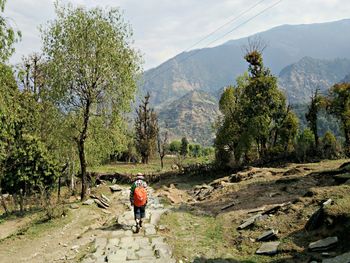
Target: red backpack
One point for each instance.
(140, 196)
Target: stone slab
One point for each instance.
(269, 248)
(323, 244)
(344, 258)
(268, 235)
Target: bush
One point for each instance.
(175, 147)
(330, 146)
(28, 168)
(304, 145)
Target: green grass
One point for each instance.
(152, 167)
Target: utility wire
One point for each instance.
(199, 50)
(224, 25)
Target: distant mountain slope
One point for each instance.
(347, 78)
(192, 116)
(301, 79)
(212, 68)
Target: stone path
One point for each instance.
(123, 245)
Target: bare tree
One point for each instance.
(162, 146)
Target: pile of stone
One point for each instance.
(102, 201)
(201, 192)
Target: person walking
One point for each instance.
(139, 199)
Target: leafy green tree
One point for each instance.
(255, 116)
(92, 68)
(312, 114)
(146, 130)
(330, 148)
(339, 106)
(175, 147)
(8, 35)
(184, 146)
(28, 167)
(288, 131)
(304, 144)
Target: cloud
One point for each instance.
(164, 28)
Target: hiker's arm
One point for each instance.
(132, 189)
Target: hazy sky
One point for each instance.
(164, 28)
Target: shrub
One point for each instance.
(330, 147)
(304, 145)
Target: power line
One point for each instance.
(227, 23)
(235, 28)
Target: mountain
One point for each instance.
(192, 116)
(210, 69)
(346, 79)
(299, 80)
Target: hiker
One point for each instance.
(138, 199)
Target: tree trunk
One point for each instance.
(81, 150)
(3, 203)
(59, 189)
(161, 162)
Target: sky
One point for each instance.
(164, 28)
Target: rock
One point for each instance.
(255, 210)
(249, 222)
(317, 218)
(344, 258)
(235, 178)
(100, 204)
(328, 202)
(268, 235)
(105, 198)
(74, 247)
(74, 206)
(323, 244)
(269, 248)
(228, 206)
(115, 188)
(88, 202)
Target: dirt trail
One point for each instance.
(61, 240)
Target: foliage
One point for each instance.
(256, 120)
(312, 114)
(195, 150)
(8, 35)
(184, 146)
(330, 148)
(28, 167)
(175, 147)
(339, 106)
(304, 145)
(92, 70)
(146, 130)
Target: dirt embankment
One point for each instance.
(286, 197)
(60, 240)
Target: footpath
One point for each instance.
(124, 245)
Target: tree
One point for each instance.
(255, 115)
(28, 168)
(329, 146)
(93, 69)
(339, 106)
(8, 36)
(146, 130)
(163, 146)
(184, 146)
(311, 115)
(304, 144)
(175, 146)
